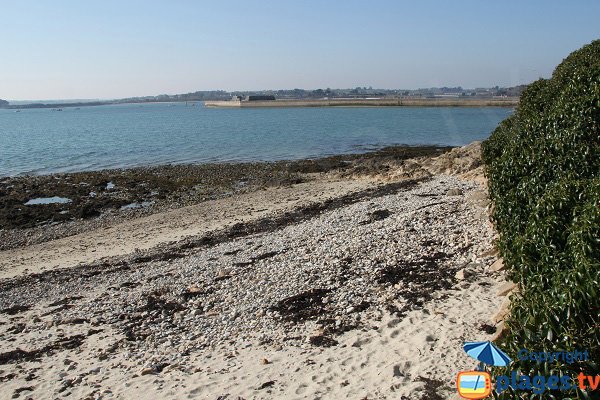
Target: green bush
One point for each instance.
(543, 166)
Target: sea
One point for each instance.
(43, 141)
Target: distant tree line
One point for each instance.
(55, 105)
(357, 92)
(194, 96)
(333, 93)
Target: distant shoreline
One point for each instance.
(56, 105)
(386, 102)
(389, 102)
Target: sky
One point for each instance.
(105, 49)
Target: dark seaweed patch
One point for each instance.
(377, 215)
(64, 301)
(17, 328)
(15, 309)
(8, 377)
(19, 355)
(303, 306)
(322, 341)
(265, 255)
(418, 280)
(432, 386)
(20, 390)
(155, 303)
(424, 270)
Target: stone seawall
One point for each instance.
(503, 102)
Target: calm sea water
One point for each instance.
(92, 138)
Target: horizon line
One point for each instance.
(254, 90)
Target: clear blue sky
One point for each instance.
(59, 49)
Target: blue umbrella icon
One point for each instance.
(487, 353)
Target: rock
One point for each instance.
(493, 252)
(160, 366)
(479, 198)
(498, 265)
(191, 292)
(468, 271)
(223, 274)
(265, 385)
(315, 333)
(378, 215)
(461, 274)
(500, 332)
(147, 371)
(397, 372)
(264, 361)
(454, 192)
(502, 311)
(476, 267)
(506, 288)
(169, 368)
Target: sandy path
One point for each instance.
(150, 231)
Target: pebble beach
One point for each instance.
(357, 282)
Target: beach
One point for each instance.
(355, 276)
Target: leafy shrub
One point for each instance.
(543, 166)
